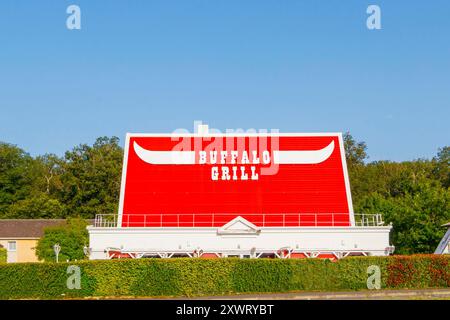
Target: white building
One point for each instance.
(444, 245)
(298, 205)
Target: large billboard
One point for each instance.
(192, 180)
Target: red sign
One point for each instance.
(188, 180)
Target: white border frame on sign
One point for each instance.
(239, 134)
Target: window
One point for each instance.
(12, 245)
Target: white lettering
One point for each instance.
(214, 173)
(266, 157)
(223, 157)
(213, 157)
(202, 157)
(234, 155)
(255, 157)
(245, 159)
(225, 173)
(254, 174)
(244, 175)
(234, 169)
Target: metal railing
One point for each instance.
(219, 219)
(106, 220)
(368, 220)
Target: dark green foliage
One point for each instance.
(38, 206)
(268, 275)
(15, 175)
(72, 237)
(91, 178)
(416, 217)
(355, 152)
(197, 277)
(83, 183)
(413, 195)
(441, 168)
(3, 255)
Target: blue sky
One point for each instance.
(154, 66)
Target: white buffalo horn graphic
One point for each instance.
(279, 157)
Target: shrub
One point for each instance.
(72, 237)
(196, 277)
(3, 255)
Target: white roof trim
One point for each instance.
(239, 225)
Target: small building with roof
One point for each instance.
(20, 236)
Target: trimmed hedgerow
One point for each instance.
(196, 277)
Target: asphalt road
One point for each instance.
(350, 295)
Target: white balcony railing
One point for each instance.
(219, 219)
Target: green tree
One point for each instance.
(441, 164)
(15, 180)
(38, 206)
(48, 170)
(416, 217)
(72, 237)
(355, 154)
(3, 254)
(91, 178)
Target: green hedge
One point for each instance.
(196, 277)
(3, 255)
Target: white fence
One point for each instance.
(219, 219)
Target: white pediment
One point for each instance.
(238, 225)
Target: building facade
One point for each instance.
(236, 194)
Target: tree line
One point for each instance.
(82, 183)
(412, 195)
